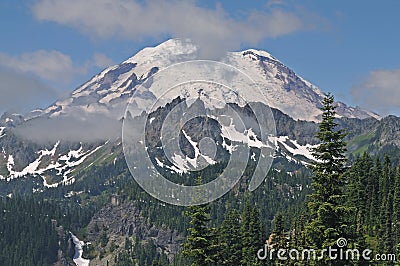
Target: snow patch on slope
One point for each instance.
(197, 153)
(63, 166)
(294, 148)
(248, 136)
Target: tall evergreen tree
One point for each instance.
(386, 203)
(326, 203)
(376, 172)
(199, 245)
(278, 235)
(388, 237)
(372, 191)
(360, 193)
(230, 242)
(251, 234)
(330, 155)
(278, 239)
(396, 213)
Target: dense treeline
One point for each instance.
(371, 199)
(31, 232)
(235, 242)
(28, 236)
(371, 219)
(374, 193)
(350, 208)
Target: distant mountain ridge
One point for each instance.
(295, 104)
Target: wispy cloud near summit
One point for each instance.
(48, 65)
(379, 91)
(212, 29)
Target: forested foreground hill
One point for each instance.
(35, 232)
(125, 225)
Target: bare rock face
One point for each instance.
(118, 222)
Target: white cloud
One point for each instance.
(52, 66)
(102, 61)
(379, 91)
(22, 93)
(26, 80)
(48, 65)
(271, 3)
(83, 126)
(213, 29)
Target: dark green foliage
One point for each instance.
(230, 242)
(279, 238)
(396, 212)
(28, 234)
(376, 200)
(252, 235)
(330, 154)
(200, 246)
(328, 212)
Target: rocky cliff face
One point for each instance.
(121, 220)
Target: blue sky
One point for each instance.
(350, 48)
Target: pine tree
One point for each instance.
(330, 155)
(278, 239)
(199, 242)
(376, 172)
(360, 193)
(388, 237)
(372, 191)
(199, 245)
(386, 204)
(326, 203)
(396, 213)
(299, 231)
(256, 230)
(278, 235)
(251, 234)
(229, 239)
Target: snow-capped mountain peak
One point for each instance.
(108, 92)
